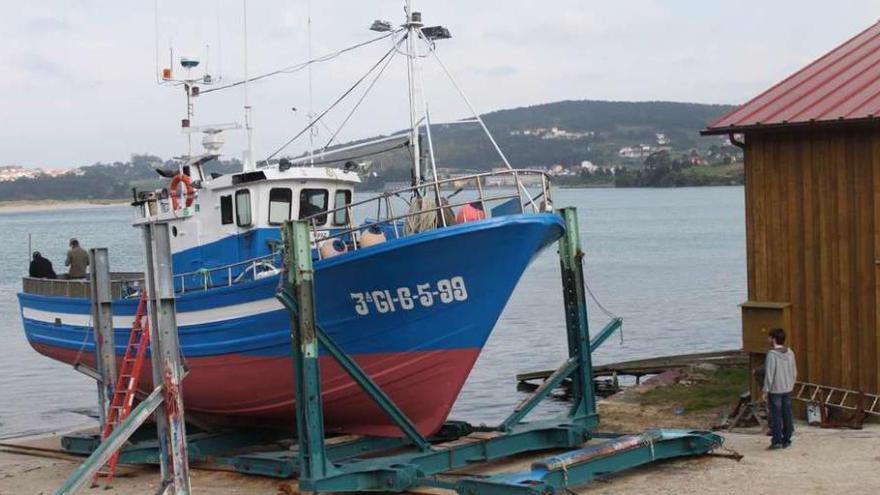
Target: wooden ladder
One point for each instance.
(129, 376)
(836, 397)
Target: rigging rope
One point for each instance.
(602, 308)
(331, 107)
(358, 104)
(291, 69)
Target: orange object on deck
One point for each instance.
(470, 212)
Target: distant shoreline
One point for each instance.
(25, 206)
(28, 206)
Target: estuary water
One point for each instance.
(670, 262)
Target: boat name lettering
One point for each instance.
(425, 295)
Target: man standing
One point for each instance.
(41, 267)
(77, 260)
(779, 377)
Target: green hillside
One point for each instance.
(611, 125)
(565, 132)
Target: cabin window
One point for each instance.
(226, 209)
(340, 199)
(243, 208)
(312, 202)
(279, 205)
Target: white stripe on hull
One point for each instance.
(189, 318)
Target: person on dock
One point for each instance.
(780, 373)
(77, 260)
(41, 267)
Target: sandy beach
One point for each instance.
(47, 205)
(820, 461)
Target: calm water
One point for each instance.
(670, 262)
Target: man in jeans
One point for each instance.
(779, 377)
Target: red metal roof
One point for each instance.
(843, 85)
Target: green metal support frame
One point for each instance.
(404, 470)
(298, 296)
(556, 473)
(304, 350)
(554, 380)
(318, 472)
(398, 464)
(574, 299)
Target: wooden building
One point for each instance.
(812, 196)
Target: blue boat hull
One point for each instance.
(414, 312)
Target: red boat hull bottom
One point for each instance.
(255, 390)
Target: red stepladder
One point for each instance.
(128, 379)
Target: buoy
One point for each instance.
(372, 236)
(332, 248)
(190, 190)
(470, 212)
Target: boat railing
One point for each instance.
(429, 209)
(228, 275)
(124, 285)
(120, 285)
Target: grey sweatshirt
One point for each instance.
(780, 371)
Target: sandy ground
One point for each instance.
(819, 462)
(44, 205)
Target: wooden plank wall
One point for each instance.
(812, 213)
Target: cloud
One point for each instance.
(504, 54)
(39, 65)
(47, 25)
(494, 71)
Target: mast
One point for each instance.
(413, 25)
(311, 116)
(248, 162)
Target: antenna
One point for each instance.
(156, 37)
(170, 57)
(219, 46)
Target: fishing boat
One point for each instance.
(409, 282)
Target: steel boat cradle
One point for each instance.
(298, 306)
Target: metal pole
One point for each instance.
(102, 320)
(434, 168)
(577, 325)
(476, 115)
(87, 470)
(248, 162)
(314, 464)
(156, 368)
(413, 25)
(168, 361)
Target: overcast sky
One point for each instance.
(78, 82)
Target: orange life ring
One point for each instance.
(190, 190)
